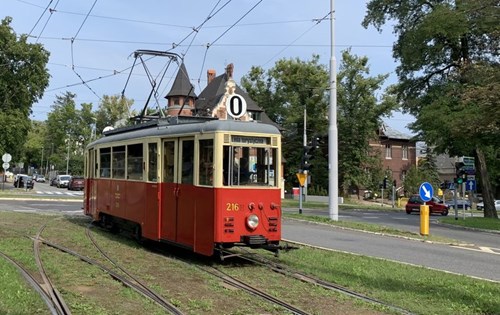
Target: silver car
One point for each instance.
(480, 206)
(62, 181)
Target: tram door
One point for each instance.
(178, 192)
(91, 189)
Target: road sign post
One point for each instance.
(426, 192)
(5, 166)
(301, 176)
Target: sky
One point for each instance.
(92, 42)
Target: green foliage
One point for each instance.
(284, 92)
(23, 79)
(448, 74)
(358, 119)
(293, 86)
(317, 190)
(112, 110)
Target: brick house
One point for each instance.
(397, 152)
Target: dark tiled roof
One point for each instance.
(182, 85)
(393, 134)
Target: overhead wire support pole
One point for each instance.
(333, 178)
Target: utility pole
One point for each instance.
(41, 162)
(67, 156)
(333, 178)
(305, 144)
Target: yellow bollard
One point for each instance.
(424, 220)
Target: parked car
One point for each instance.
(24, 181)
(461, 203)
(76, 183)
(436, 205)
(40, 179)
(480, 206)
(62, 181)
(17, 180)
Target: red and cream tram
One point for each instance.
(199, 184)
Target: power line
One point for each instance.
(43, 13)
(110, 41)
(220, 36)
(299, 37)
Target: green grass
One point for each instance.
(420, 290)
(477, 223)
(16, 294)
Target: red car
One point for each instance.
(76, 183)
(436, 205)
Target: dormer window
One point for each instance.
(255, 116)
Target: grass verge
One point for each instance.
(418, 289)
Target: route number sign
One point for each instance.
(236, 105)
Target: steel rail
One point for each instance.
(285, 270)
(32, 282)
(155, 296)
(56, 297)
(139, 289)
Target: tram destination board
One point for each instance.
(250, 140)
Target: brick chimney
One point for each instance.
(210, 75)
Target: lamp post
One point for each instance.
(68, 141)
(333, 182)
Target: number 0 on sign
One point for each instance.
(236, 105)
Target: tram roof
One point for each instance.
(177, 126)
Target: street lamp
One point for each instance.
(68, 142)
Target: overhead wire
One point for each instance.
(51, 11)
(318, 21)
(72, 51)
(220, 36)
(43, 13)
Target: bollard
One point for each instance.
(424, 220)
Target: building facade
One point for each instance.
(397, 152)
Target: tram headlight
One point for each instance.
(252, 221)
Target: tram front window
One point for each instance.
(249, 166)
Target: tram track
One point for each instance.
(137, 284)
(288, 272)
(236, 283)
(55, 296)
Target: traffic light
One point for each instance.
(384, 183)
(306, 158)
(460, 172)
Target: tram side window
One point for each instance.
(105, 162)
(187, 161)
(168, 162)
(134, 161)
(152, 162)
(249, 166)
(206, 162)
(118, 167)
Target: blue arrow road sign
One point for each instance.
(426, 191)
(470, 185)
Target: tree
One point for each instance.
(294, 85)
(358, 119)
(23, 79)
(448, 74)
(112, 110)
(67, 132)
(284, 92)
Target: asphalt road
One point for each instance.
(468, 260)
(402, 221)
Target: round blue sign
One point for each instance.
(426, 191)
